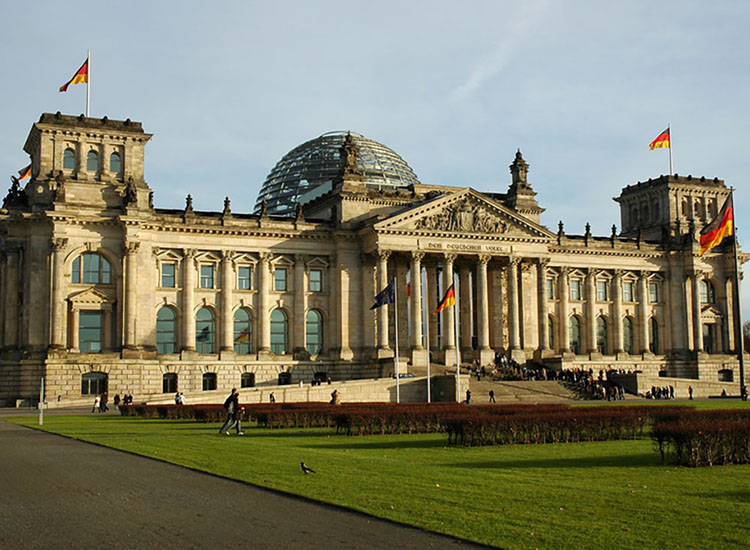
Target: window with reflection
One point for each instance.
(707, 292)
(279, 279)
(90, 331)
(279, 332)
(115, 163)
(69, 159)
(207, 276)
(314, 332)
(94, 383)
(169, 382)
(91, 268)
(316, 280)
(205, 331)
(575, 334)
(653, 344)
(575, 290)
(244, 275)
(627, 335)
(627, 291)
(243, 332)
(92, 161)
(209, 381)
(168, 274)
(602, 344)
(166, 330)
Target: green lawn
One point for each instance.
(586, 495)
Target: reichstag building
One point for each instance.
(100, 289)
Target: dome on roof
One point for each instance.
(311, 169)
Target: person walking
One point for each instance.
(690, 393)
(116, 401)
(229, 406)
(236, 415)
(492, 396)
(468, 397)
(97, 400)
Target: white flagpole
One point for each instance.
(41, 403)
(88, 83)
(671, 167)
(395, 319)
(458, 345)
(426, 316)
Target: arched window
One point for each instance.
(279, 332)
(247, 380)
(314, 332)
(209, 381)
(93, 383)
(115, 163)
(708, 295)
(69, 159)
(92, 161)
(166, 331)
(601, 336)
(205, 331)
(551, 332)
(627, 335)
(653, 326)
(243, 332)
(92, 269)
(169, 383)
(575, 335)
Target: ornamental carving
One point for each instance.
(465, 216)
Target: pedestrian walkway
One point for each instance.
(62, 493)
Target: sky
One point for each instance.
(455, 88)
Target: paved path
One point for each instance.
(61, 493)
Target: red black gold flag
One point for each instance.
(661, 141)
(721, 226)
(448, 300)
(81, 77)
(24, 173)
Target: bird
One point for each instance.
(306, 469)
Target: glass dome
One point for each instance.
(311, 169)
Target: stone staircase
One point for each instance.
(530, 392)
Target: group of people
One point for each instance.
(101, 402)
(666, 392)
(179, 398)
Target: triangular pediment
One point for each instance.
(710, 314)
(465, 212)
(90, 298)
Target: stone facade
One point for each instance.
(98, 287)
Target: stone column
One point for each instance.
(486, 355)
(643, 311)
(431, 305)
(131, 293)
(300, 306)
(449, 323)
(466, 328)
(12, 310)
(541, 290)
(591, 311)
(59, 311)
(400, 268)
(418, 354)
(188, 299)
(227, 292)
(513, 317)
(562, 316)
(368, 292)
(264, 320)
(74, 321)
(695, 279)
(382, 311)
(107, 328)
(617, 311)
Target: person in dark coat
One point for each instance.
(492, 396)
(468, 397)
(229, 405)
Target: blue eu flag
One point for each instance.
(386, 296)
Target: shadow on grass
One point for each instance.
(641, 460)
(732, 496)
(349, 443)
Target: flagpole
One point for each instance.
(458, 345)
(88, 83)
(671, 166)
(738, 314)
(426, 319)
(395, 359)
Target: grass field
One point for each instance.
(585, 495)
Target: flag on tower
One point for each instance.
(448, 300)
(721, 226)
(24, 173)
(662, 140)
(81, 77)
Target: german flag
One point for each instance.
(661, 141)
(81, 77)
(24, 173)
(448, 300)
(244, 336)
(722, 226)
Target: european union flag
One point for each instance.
(386, 296)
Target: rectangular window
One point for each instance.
(316, 280)
(243, 277)
(575, 290)
(550, 289)
(627, 291)
(279, 279)
(602, 291)
(168, 270)
(653, 292)
(90, 331)
(207, 276)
